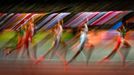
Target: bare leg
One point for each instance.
(40, 43)
(78, 52)
(89, 52)
(43, 57)
(125, 51)
(114, 50)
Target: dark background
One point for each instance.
(64, 5)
